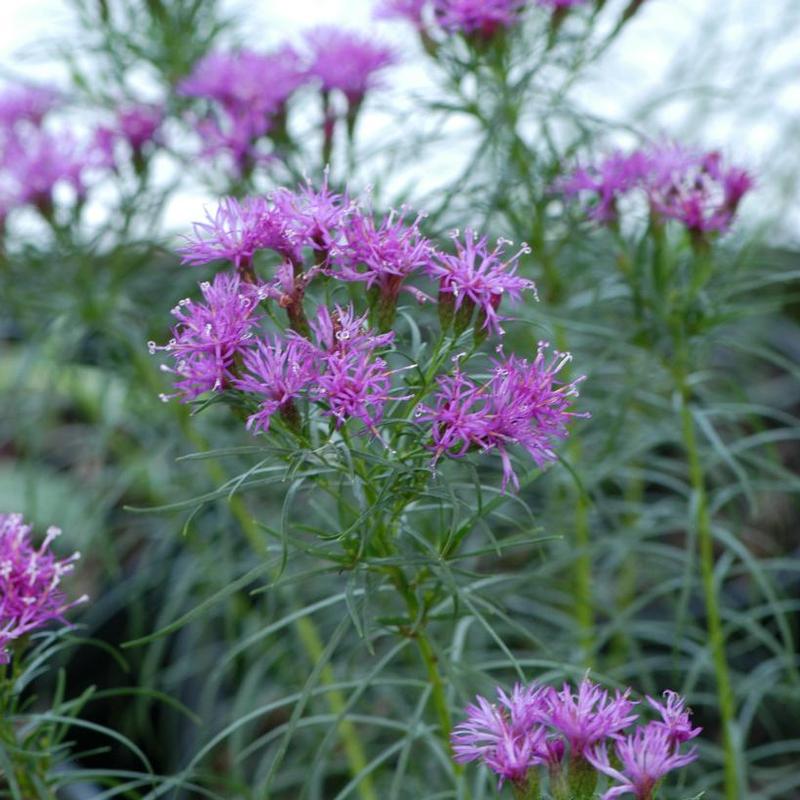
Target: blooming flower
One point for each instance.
(479, 277)
(246, 80)
(675, 718)
(507, 736)
(345, 332)
(36, 163)
(606, 182)
(484, 17)
(696, 189)
(411, 10)
(314, 216)
(646, 756)
(139, 124)
(238, 229)
(30, 593)
(278, 371)
(208, 336)
(590, 715)
(519, 404)
(382, 256)
(346, 61)
(26, 104)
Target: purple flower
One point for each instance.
(675, 718)
(315, 216)
(30, 593)
(519, 404)
(382, 256)
(479, 277)
(606, 182)
(696, 189)
(589, 716)
(236, 231)
(346, 61)
(278, 371)
(483, 17)
(208, 336)
(26, 104)
(411, 10)
(508, 737)
(354, 384)
(646, 756)
(246, 81)
(345, 332)
(139, 124)
(34, 164)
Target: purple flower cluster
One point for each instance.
(520, 403)
(34, 160)
(697, 189)
(337, 362)
(30, 593)
(568, 732)
(248, 92)
(472, 18)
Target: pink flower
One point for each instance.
(508, 737)
(208, 336)
(30, 593)
(484, 17)
(237, 230)
(382, 256)
(589, 716)
(479, 276)
(646, 756)
(277, 371)
(519, 404)
(346, 61)
(675, 718)
(411, 10)
(22, 103)
(345, 332)
(139, 124)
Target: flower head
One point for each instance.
(209, 335)
(411, 10)
(480, 277)
(521, 403)
(259, 83)
(646, 756)
(506, 736)
(30, 592)
(483, 17)
(26, 104)
(278, 371)
(139, 124)
(382, 255)
(590, 715)
(344, 332)
(675, 718)
(346, 61)
(238, 229)
(606, 182)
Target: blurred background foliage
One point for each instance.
(594, 565)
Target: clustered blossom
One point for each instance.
(697, 189)
(247, 93)
(36, 161)
(568, 732)
(30, 582)
(208, 336)
(338, 363)
(481, 18)
(520, 403)
(477, 277)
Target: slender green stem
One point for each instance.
(308, 634)
(716, 636)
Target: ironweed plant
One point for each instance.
(372, 532)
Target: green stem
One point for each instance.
(716, 634)
(307, 633)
